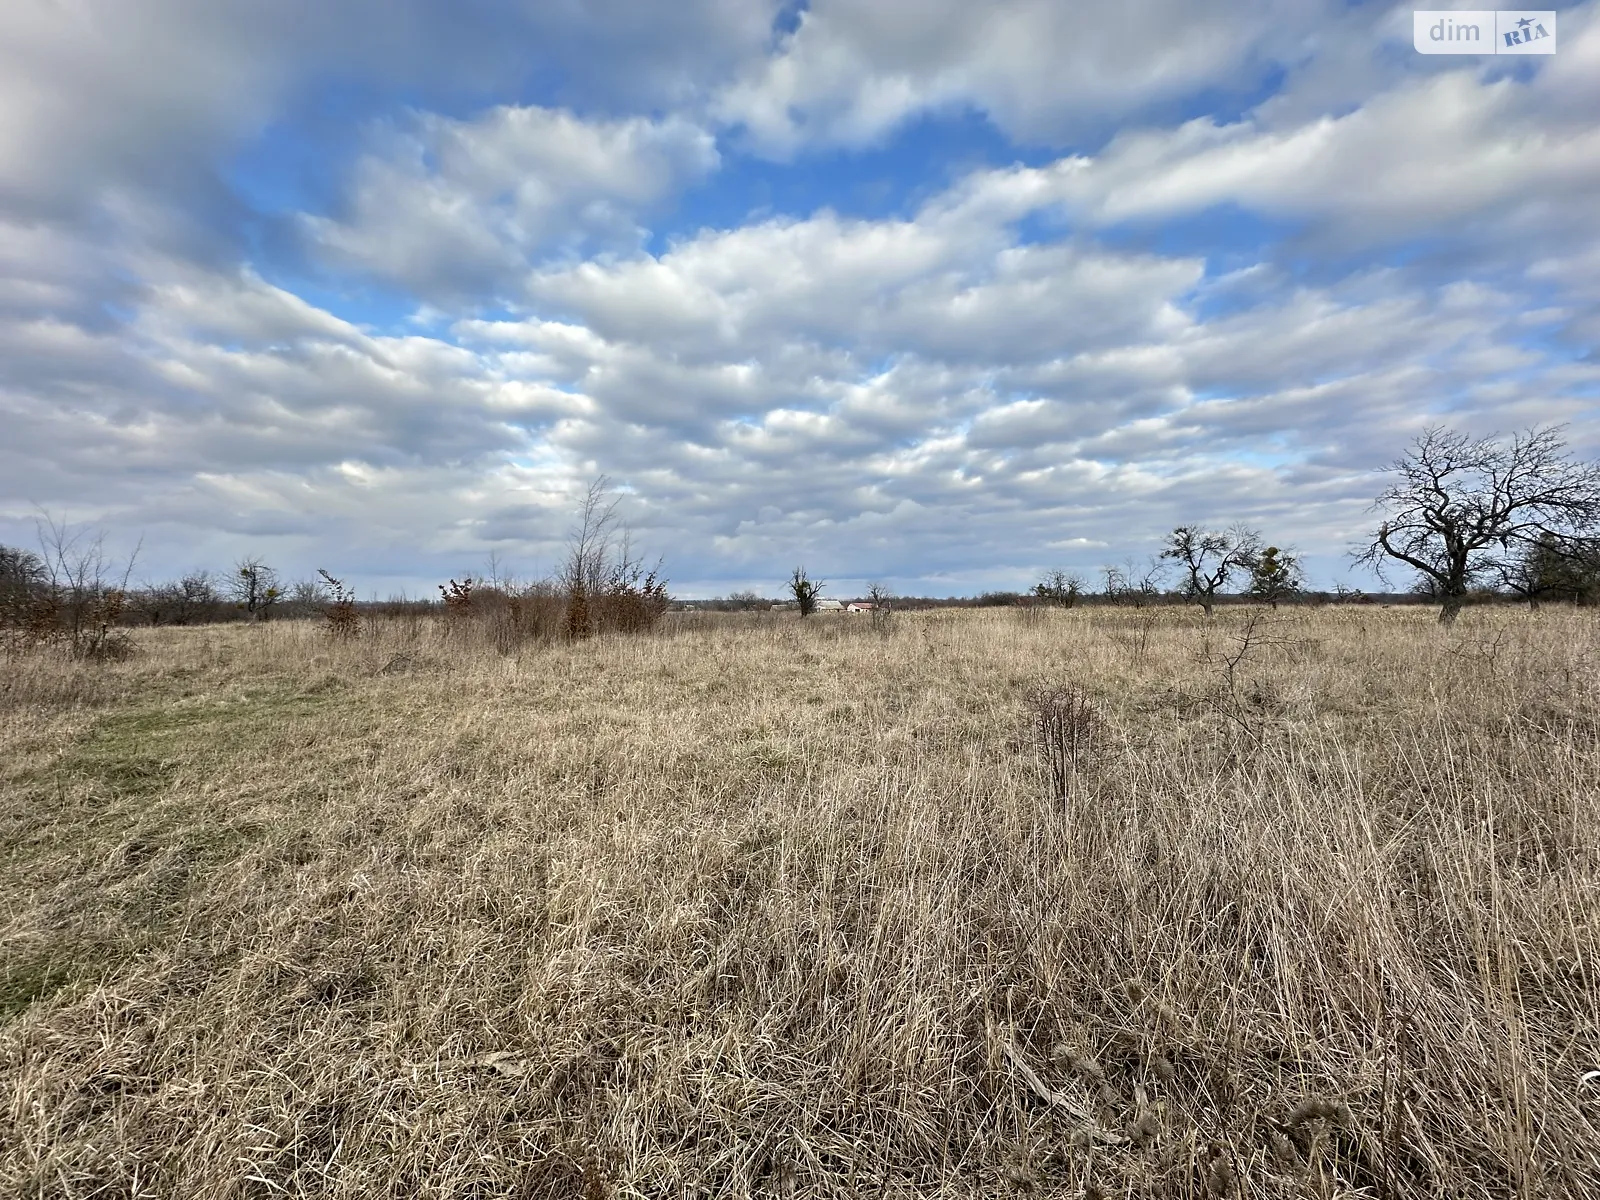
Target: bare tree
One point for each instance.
(606, 585)
(191, 600)
(1553, 568)
(305, 598)
(85, 590)
(1208, 558)
(1114, 584)
(21, 570)
(1343, 593)
(588, 554)
(1461, 510)
(22, 592)
(498, 578)
(805, 591)
(1130, 584)
(1059, 587)
(882, 601)
(197, 598)
(254, 587)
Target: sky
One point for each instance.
(925, 292)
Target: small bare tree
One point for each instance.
(1114, 584)
(23, 590)
(1131, 584)
(606, 585)
(1059, 587)
(85, 590)
(254, 588)
(195, 598)
(588, 554)
(1208, 558)
(305, 598)
(1553, 568)
(191, 600)
(1462, 509)
(805, 590)
(882, 601)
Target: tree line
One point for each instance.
(1462, 517)
(72, 593)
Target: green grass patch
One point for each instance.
(107, 845)
(135, 752)
(43, 973)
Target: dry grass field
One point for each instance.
(757, 907)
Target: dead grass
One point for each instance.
(753, 907)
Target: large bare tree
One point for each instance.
(1463, 509)
(1208, 558)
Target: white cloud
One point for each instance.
(1013, 372)
(949, 290)
(456, 208)
(1441, 156)
(103, 93)
(1041, 70)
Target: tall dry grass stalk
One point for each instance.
(763, 907)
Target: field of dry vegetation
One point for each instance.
(1048, 903)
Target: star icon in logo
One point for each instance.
(1524, 23)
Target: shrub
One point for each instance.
(1068, 732)
(634, 599)
(71, 596)
(343, 621)
(1059, 588)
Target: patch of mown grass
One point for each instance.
(135, 751)
(31, 974)
(142, 773)
(29, 979)
(109, 842)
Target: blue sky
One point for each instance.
(931, 293)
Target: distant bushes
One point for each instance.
(72, 595)
(602, 587)
(509, 615)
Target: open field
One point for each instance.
(759, 907)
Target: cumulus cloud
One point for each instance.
(952, 290)
(1042, 71)
(95, 93)
(453, 208)
(1463, 152)
(1039, 362)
